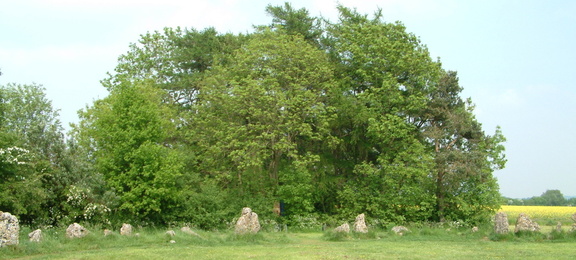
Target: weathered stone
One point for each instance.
(172, 241)
(400, 230)
(360, 224)
(107, 232)
(559, 226)
(574, 217)
(76, 231)
(9, 229)
(170, 233)
(344, 228)
(501, 225)
(35, 236)
(573, 229)
(189, 231)
(247, 223)
(524, 223)
(474, 229)
(126, 230)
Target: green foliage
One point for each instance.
(31, 152)
(129, 133)
(329, 119)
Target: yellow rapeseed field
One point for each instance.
(541, 213)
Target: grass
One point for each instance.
(421, 243)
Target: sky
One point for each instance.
(516, 59)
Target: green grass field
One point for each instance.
(421, 243)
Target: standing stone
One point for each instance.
(126, 230)
(35, 236)
(360, 224)
(501, 225)
(170, 233)
(189, 231)
(248, 222)
(9, 229)
(573, 229)
(474, 229)
(524, 223)
(400, 230)
(107, 232)
(559, 226)
(76, 231)
(344, 228)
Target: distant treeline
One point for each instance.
(548, 198)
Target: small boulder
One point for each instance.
(9, 229)
(247, 223)
(76, 231)
(474, 229)
(126, 230)
(35, 236)
(400, 230)
(524, 223)
(344, 228)
(170, 233)
(107, 232)
(360, 224)
(501, 225)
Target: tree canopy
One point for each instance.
(329, 119)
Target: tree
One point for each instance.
(129, 133)
(553, 198)
(383, 74)
(464, 156)
(174, 60)
(295, 22)
(34, 145)
(260, 112)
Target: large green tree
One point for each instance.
(384, 75)
(33, 149)
(129, 133)
(261, 113)
(328, 117)
(464, 156)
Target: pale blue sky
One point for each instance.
(516, 60)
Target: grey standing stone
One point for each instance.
(501, 225)
(524, 223)
(35, 236)
(9, 229)
(247, 223)
(126, 229)
(400, 230)
(559, 226)
(171, 233)
(76, 231)
(344, 228)
(360, 224)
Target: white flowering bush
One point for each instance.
(14, 155)
(80, 206)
